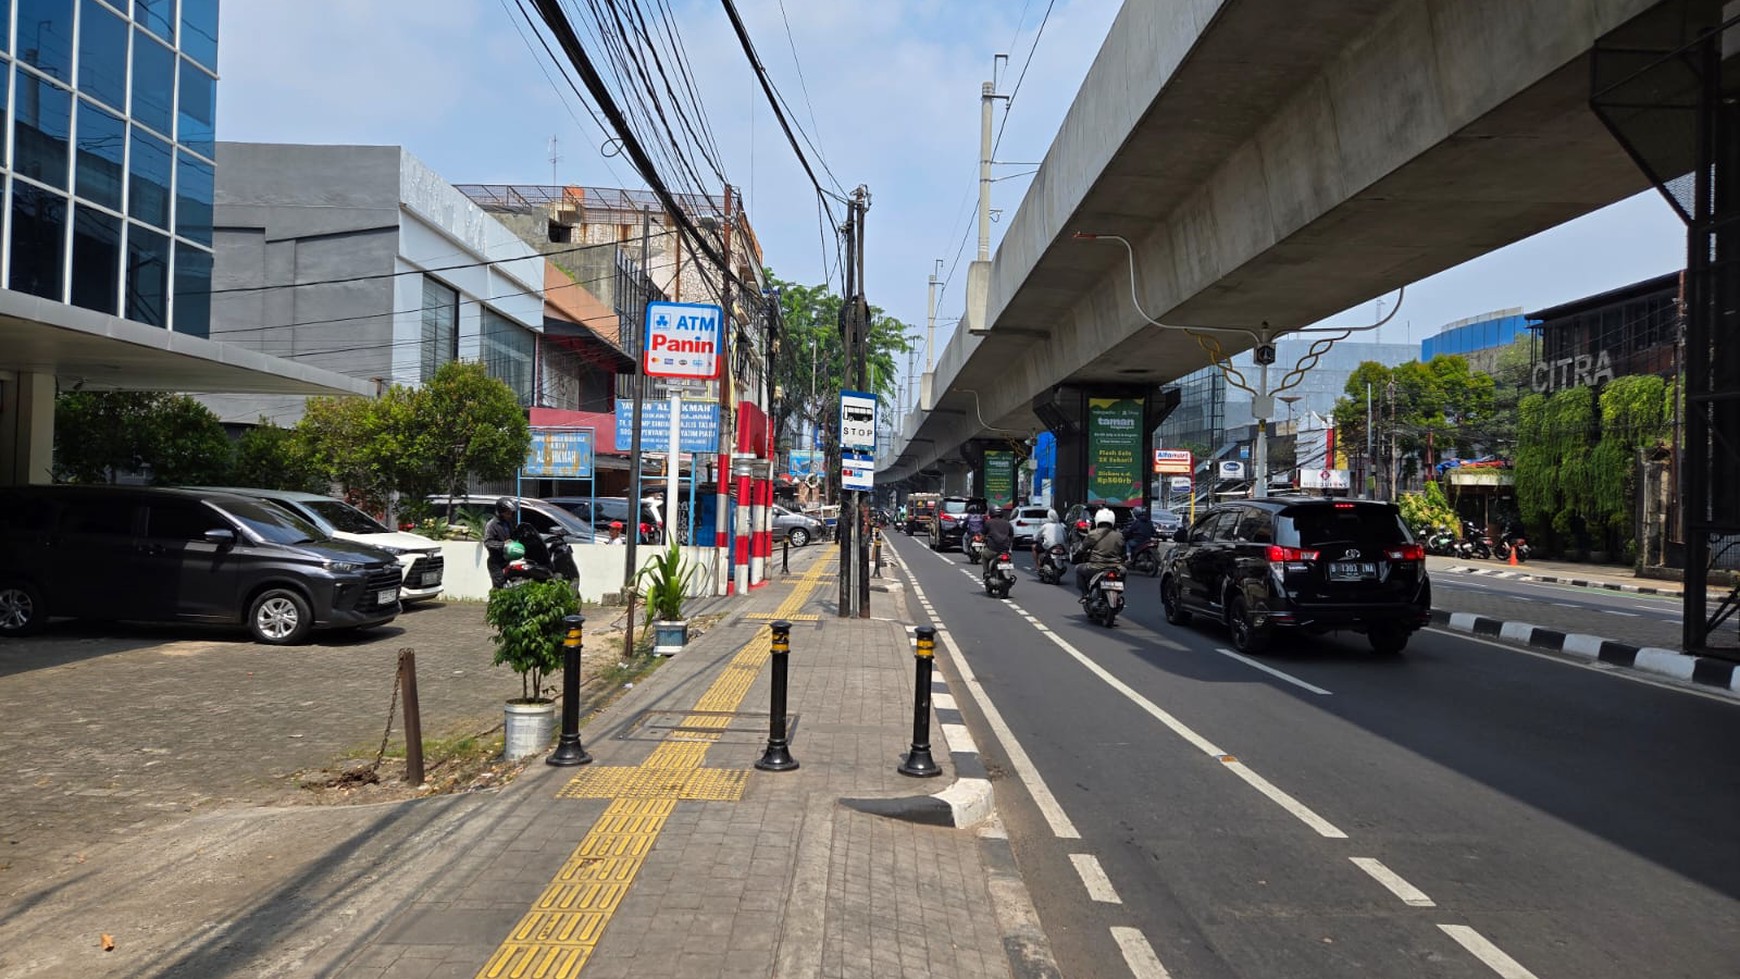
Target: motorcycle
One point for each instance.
(1440, 541)
(540, 558)
(973, 546)
(1105, 597)
(1512, 541)
(1146, 558)
(1053, 562)
(1475, 542)
(1000, 577)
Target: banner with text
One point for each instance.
(1115, 463)
(700, 423)
(1000, 477)
(559, 454)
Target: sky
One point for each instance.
(887, 89)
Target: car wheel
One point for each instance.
(1246, 637)
(1387, 640)
(21, 609)
(1173, 602)
(280, 617)
(798, 537)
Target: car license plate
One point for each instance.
(386, 596)
(1112, 585)
(431, 579)
(1352, 570)
(1005, 566)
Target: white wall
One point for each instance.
(466, 575)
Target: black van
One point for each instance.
(144, 553)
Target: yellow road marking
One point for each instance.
(558, 935)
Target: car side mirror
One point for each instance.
(1181, 535)
(221, 537)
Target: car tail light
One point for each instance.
(1289, 555)
(1407, 552)
(948, 518)
(1344, 506)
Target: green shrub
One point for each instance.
(668, 577)
(529, 632)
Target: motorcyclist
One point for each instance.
(1051, 534)
(496, 535)
(1101, 550)
(999, 539)
(1140, 531)
(973, 523)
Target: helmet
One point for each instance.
(1104, 518)
(504, 505)
(1051, 515)
(513, 550)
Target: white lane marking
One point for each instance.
(1093, 877)
(958, 738)
(1295, 681)
(1614, 611)
(1304, 814)
(1323, 826)
(1139, 955)
(1048, 805)
(1485, 951)
(944, 701)
(1412, 896)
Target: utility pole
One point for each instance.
(930, 319)
(1370, 460)
(631, 566)
(1395, 469)
(861, 513)
(843, 527)
(987, 95)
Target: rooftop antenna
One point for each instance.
(555, 158)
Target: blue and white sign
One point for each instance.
(1232, 470)
(683, 340)
(857, 471)
(564, 454)
(858, 422)
(700, 426)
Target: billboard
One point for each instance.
(1115, 450)
(999, 477)
(564, 454)
(700, 432)
(683, 340)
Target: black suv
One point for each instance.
(1305, 563)
(951, 515)
(169, 555)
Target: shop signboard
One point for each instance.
(1115, 450)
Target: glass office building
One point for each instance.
(110, 108)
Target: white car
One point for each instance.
(1027, 520)
(418, 555)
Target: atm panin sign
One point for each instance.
(683, 340)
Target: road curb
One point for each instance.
(967, 802)
(1704, 671)
(1502, 572)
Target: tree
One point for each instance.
(271, 457)
(461, 423)
(101, 435)
(338, 438)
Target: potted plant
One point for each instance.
(528, 637)
(667, 579)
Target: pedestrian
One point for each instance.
(496, 535)
(616, 536)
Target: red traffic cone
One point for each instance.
(1512, 561)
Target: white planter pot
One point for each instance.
(669, 637)
(527, 729)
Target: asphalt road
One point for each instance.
(1464, 810)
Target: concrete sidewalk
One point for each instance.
(1611, 577)
(670, 855)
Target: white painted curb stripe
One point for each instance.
(1462, 621)
(1139, 955)
(1093, 877)
(1668, 662)
(1411, 896)
(1295, 681)
(1516, 631)
(1487, 952)
(970, 799)
(1323, 826)
(958, 738)
(1583, 645)
(943, 701)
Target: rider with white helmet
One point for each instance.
(1101, 550)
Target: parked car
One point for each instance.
(600, 511)
(799, 528)
(544, 516)
(951, 511)
(1300, 564)
(166, 555)
(1027, 520)
(419, 556)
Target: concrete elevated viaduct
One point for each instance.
(1271, 161)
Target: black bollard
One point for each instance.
(777, 757)
(785, 557)
(918, 762)
(569, 750)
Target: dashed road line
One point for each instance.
(1295, 681)
(1412, 896)
(1093, 877)
(1485, 951)
(1139, 955)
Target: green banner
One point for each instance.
(1115, 451)
(1000, 478)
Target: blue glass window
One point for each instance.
(153, 83)
(147, 274)
(192, 290)
(38, 241)
(41, 129)
(148, 183)
(5, 107)
(96, 259)
(45, 36)
(199, 31)
(158, 16)
(102, 138)
(103, 56)
(193, 178)
(198, 110)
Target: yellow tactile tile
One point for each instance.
(517, 960)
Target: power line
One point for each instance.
(1007, 106)
(767, 89)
